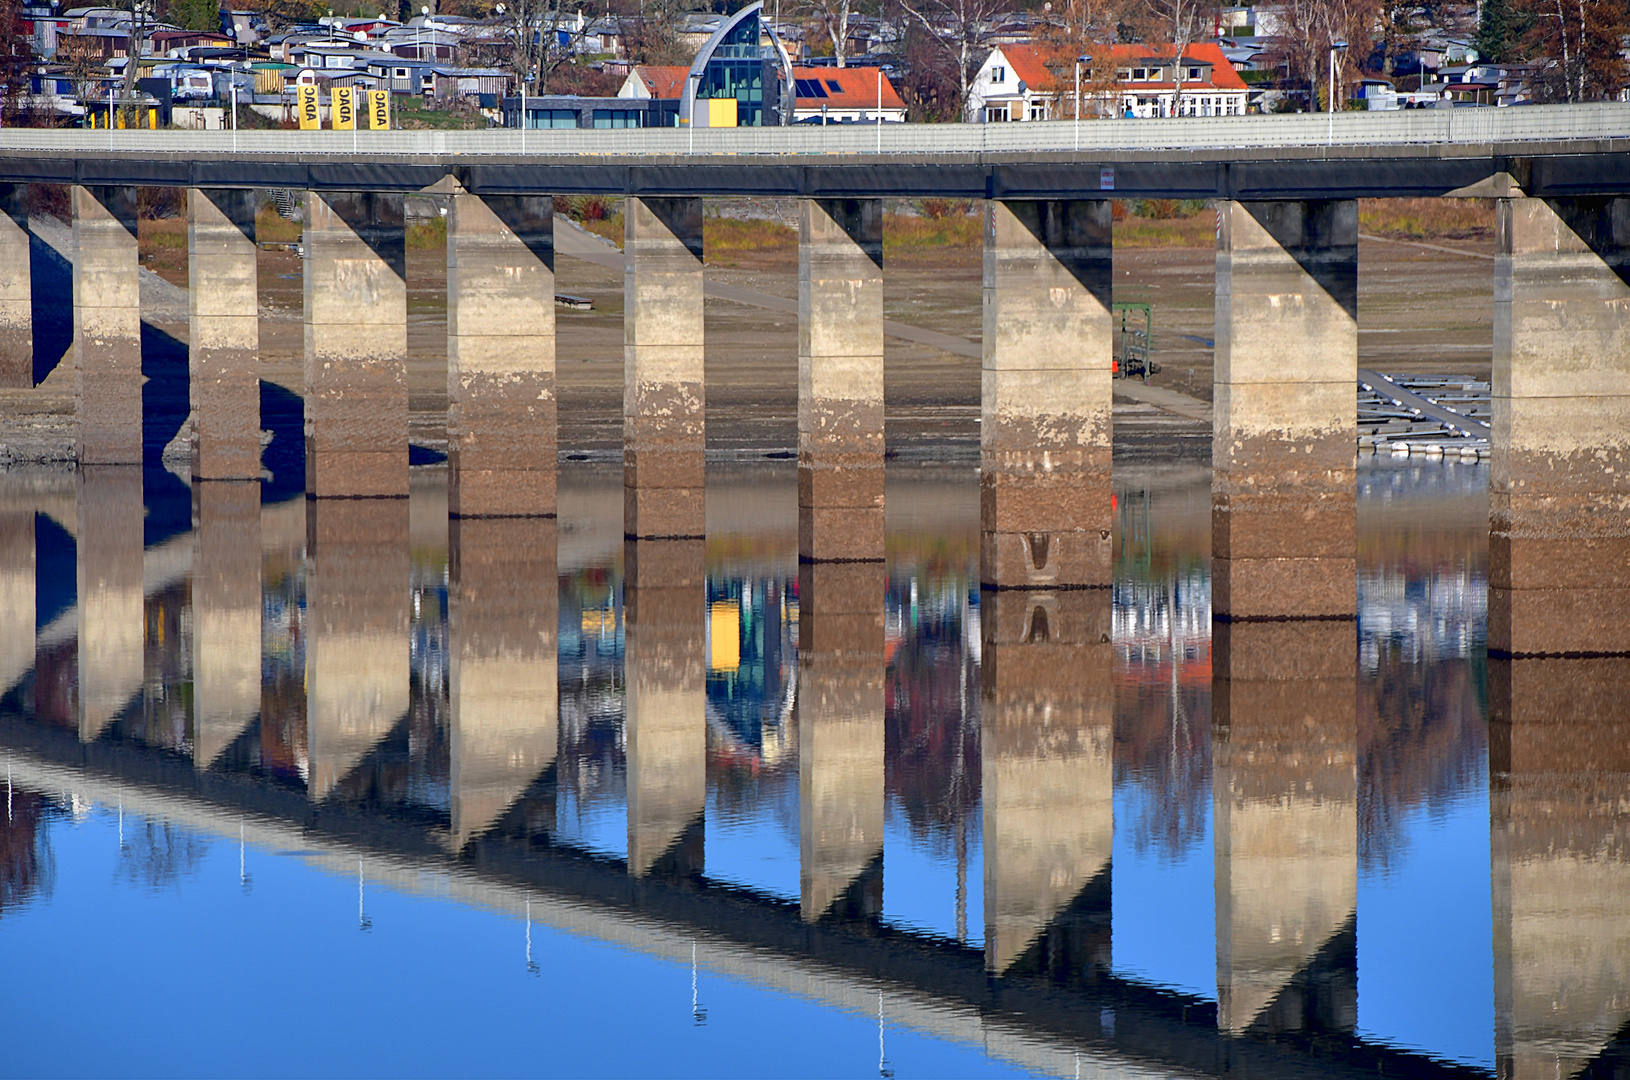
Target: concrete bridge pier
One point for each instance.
(503, 614)
(356, 346)
(17, 585)
(1284, 531)
(1045, 437)
(840, 739)
(226, 614)
(223, 329)
(840, 379)
(1560, 848)
(358, 664)
(1285, 823)
(664, 396)
(1047, 719)
(107, 326)
(16, 291)
(1559, 543)
(109, 516)
(501, 423)
(665, 729)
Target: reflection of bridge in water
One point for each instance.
(428, 741)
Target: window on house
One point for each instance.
(998, 74)
(401, 73)
(1194, 74)
(1124, 74)
(832, 85)
(1140, 74)
(1038, 111)
(810, 88)
(996, 114)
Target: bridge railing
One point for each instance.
(1464, 126)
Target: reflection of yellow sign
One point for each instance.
(724, 622)
(342, 109)
(306, 102)
(721, 112)
(379, 109)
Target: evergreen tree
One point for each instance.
(1500, 28)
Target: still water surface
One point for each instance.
(305, 887)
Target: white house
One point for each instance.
(1015, 84)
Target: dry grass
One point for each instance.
(427, 234)
(1427, 219)
(1196, 231)
(906, 236)
(609, 228)
(273, 228)
(730, 241)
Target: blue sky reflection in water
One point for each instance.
(282, 977)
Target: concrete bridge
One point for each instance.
(1286, 324)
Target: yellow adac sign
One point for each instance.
(379, 109)
(306, 101)
(343, 109)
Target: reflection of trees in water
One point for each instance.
(1163, 761)
(156, 854)
(1423, 740)
(28, 867)
(1163, 704)
(931, 734)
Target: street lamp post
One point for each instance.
(1330, 104)
(1083, 59)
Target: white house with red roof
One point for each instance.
(1014, 83)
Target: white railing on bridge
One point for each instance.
(1462, 126)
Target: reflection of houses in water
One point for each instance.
(1161, 628)
(1438, 614)
(752, 670)
(591, 762)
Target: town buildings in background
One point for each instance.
(546, 64)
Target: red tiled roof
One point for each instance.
(855, 88)
(665, 83)
(1027, 63)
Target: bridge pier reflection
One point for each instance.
(502, 619)
(665, 727)
(226, 614)
(16, 290)
(1560, 846)
(1046, 428)
(501, 406)
(17, 586)
(356, 345)
(358, 661)
(223, 331)
(840, 378)
(1559, 546)
(664, 396)
(109, 516)
(840, 739)
(1047, 718)
(1285, 821)
(107, 326)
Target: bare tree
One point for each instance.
(1181, 22)
(833, 16)
(962, 29)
